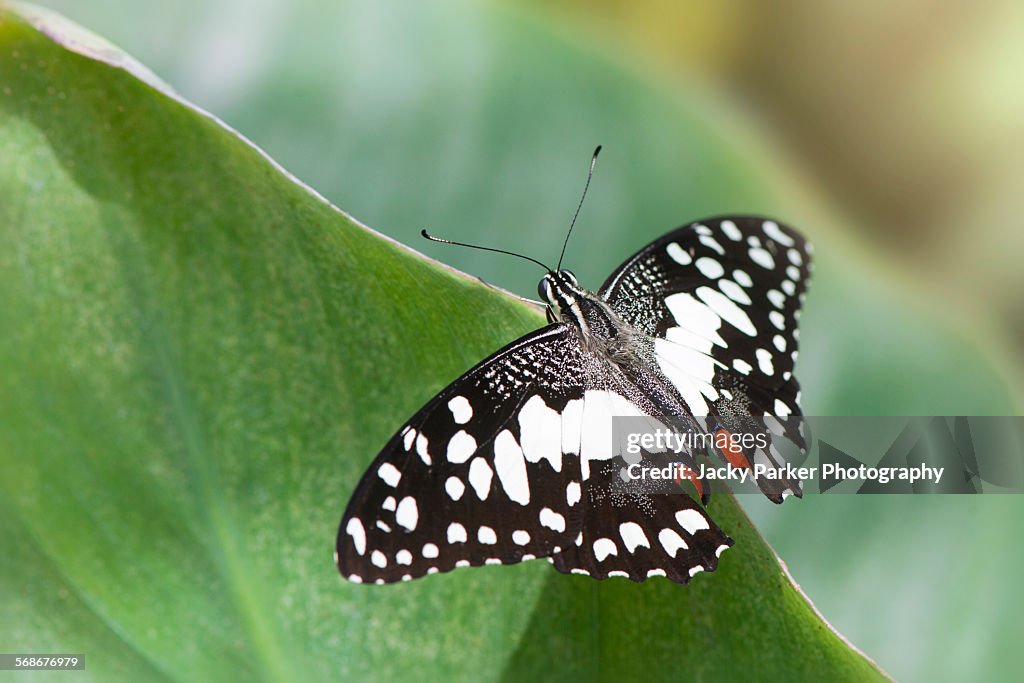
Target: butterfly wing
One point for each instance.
(482, 474)
(637, 533)
(721, 297)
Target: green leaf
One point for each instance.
(199, 358)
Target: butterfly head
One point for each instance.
(560, 290)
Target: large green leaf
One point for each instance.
(199, 358)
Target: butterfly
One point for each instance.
(512, 461)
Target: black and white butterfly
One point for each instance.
(513, 460)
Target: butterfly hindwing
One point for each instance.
(637, 533)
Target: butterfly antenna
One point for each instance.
(476, 246)
(579, 206)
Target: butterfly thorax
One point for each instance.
(602, 330)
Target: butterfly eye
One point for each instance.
(545, 291)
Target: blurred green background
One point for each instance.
(890, 133)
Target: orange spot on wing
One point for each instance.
(732, 452)
(692, 476)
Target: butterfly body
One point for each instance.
(619, 349)
(514, 460)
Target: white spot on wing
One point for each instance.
(777, 298)
(709, 241)
(692, 521)
(511, 467)
(761, 257)
(727, 310)
(710, 268)
(678, 254)
(599, 407)
(698, 318)
(572, 426)
(480, 475)
(731, 231)
(421, 449)
(603, 547)
(407, 515)
(455, 488)
(390, 474)
(460, 447)
(671, 541)
(410, 436)
(780, 342)
(764, 361)
(486, 535)
(552, 520)
(734, 292)
(771, 228)
(403, 557)
(540, 431)
(690, 370)
(430, 551)
(457, 533)
(378, 559)
(572, 493)
(742, 366)
(777, 319)
(741, 277)
(355, 529)
(462, 412)
(520, 537)
(633, 536)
